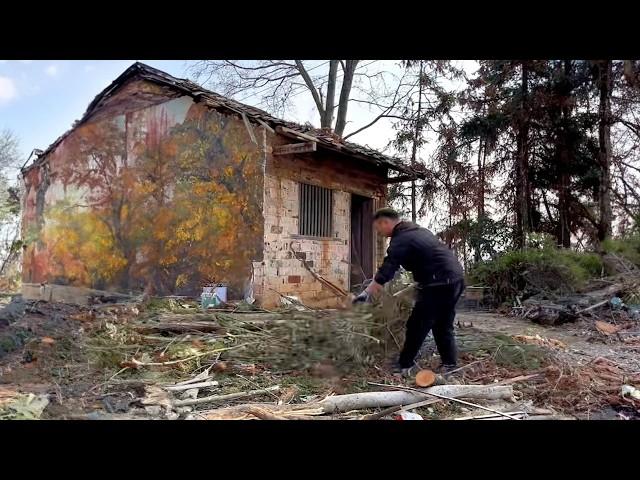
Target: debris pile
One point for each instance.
(613, 300)
(170, 359)
(587, 388)
(18, 406)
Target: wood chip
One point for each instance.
(607, 328)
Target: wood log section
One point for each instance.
(425, 378)
(357, 401)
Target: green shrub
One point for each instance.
(626, 247)
(534, 270)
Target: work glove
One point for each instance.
(364, 297)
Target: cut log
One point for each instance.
(357, 401)
(425, 378)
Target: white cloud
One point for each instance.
(51, 70)
(25, 61)
(8, 90)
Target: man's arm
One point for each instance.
(388, 269)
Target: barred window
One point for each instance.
(316, 206)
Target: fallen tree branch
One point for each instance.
(261, 413)
(464, 366)
(593, 307)
(520, 378)
(339, 291)
(449, 397)
(550, 417)
(525, 411)
(180, 360)
(285, 412)
(178, 388)
(224, 398)
(405, 290)
(490, 416)
(358, 401)
(201, 377)
(178, 327)
(397, 408)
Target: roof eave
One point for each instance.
(146, 72)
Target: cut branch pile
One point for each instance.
(592, 303)
(168, 359)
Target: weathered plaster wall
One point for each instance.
(281, 271)
(153, 193)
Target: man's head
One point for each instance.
(385, 220)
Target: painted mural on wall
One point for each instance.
(164, 199)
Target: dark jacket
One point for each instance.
(419, 251)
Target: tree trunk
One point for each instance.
(604, 155)
(564, 233)
(482, 154)
(522, 163)
(546, 206)
(327, 120)
(314, 91)
(463, 241)
(345, 91)
(414, 148)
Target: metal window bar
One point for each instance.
(316, 207)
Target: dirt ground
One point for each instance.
(62, 361)
(584, 344)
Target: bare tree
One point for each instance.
(605, 85)
(8, 150)
(9, 203)
(277, 82)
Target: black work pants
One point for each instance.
(435, 309)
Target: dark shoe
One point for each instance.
(405, 372)
(445, 368)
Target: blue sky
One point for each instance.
(40, 100)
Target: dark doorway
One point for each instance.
(361, 240)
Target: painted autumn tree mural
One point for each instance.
(163, 199)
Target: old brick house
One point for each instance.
(165, 186)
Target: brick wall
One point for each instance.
(281, 272)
